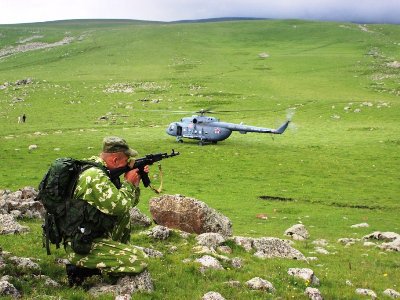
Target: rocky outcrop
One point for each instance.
(188, 214)
(21, 203)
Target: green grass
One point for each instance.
(339, 167)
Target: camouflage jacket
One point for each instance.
(95, 187)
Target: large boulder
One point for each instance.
(188, 214)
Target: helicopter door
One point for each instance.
(179, 130)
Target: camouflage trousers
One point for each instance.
(111, 257)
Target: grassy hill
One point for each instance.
(338, 162)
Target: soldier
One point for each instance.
(110, 254)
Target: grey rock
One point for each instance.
(9, 226)
(24, 263)
(131, 284)
(7, 289)
(313, 293)
(210, 239)
(209, 262)
(383, 236)
(258, 283)
(123, 297)
(47, 280)
(212, 296)
(245, 242)
(237, 262)
(103, 288)
(348, 241)
(366, 292)
(270, 247)
(138, 218)
(22, 201)
(233, 283)
(391, 246)
(151, 252)
(320, 242)
(126, 285)
(224, 249)
(391, 293)
(321, 250)
(304, 273)
(297, 232)
(361, 225)
(159, 232)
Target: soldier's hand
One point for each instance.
(133, 177)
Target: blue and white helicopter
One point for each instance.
(211, 130)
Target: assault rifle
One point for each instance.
(140, 163)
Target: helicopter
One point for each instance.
(208, 129)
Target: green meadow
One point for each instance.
(337, 164)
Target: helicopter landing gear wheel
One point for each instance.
(201, 143)
(179, 140)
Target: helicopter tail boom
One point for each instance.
(246, 128)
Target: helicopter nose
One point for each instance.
(171, 129)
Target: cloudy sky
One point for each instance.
(366, 11)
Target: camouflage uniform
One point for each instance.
(111, 254)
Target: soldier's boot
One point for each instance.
(76, 275)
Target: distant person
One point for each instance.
(19, 119)
(111, 253)
(23, 118)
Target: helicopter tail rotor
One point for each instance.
(282, 129)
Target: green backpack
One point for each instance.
(67, 219)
